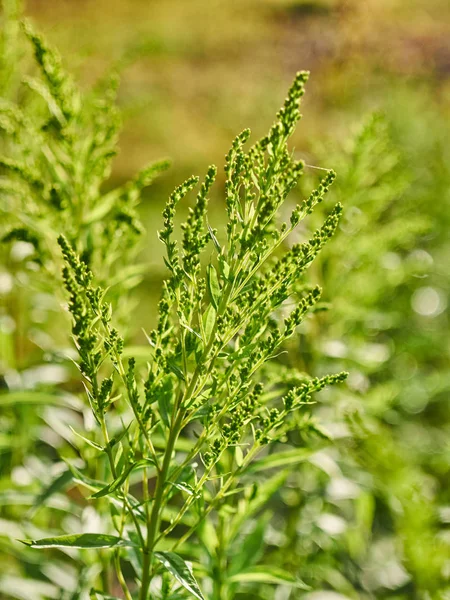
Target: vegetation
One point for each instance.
(199, 459)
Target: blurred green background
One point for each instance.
(369, 517)
(196, 73)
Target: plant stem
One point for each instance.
(221, 563)
(153, 522)
(117, 564)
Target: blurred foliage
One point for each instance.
(367, 516)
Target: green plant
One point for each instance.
(57, 146)
(59, 154)
(208, 378)
(376, 495)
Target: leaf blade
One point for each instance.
(213, 285)
(79, 540)
(181, 571)
(268, 574)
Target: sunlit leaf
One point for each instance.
(79, 540)
(181, 571)
(112, 487)
(280, 459)
(268, 574)
(213, 286)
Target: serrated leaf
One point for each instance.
(268, 574)
(212, 281)
(181, 571)
(79, 540)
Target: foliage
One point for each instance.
(207, 355)
(200, 465)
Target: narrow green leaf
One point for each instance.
(97, 595)
(88, 441)
(82, 479)
(55, 486)
(43, 398)
(117, 438)
(249, 550)
(186, 326)
(209, 318)
(175, 369)
(238, 456)
(184, 487)
(79, 540)
(165, 397)
(181, 571)
(112, 487)
(268, 574)
(225, 269)
(280, 459)
(182, 444)
(214, 239)
(213, 285)
(102, 208)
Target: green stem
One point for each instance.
(231, 479)
(118, 567)
(153, 522)
(219, 591)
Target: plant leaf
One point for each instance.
(82, 479)
(249, 550)
(88, 441)
(175, 369)
(96, 594)
(280, 459)
(44, 398)
(213, 285)
(55, 486)
(165, 397)
(267, 574)
(112, 487)
(101, 209)
(181, 571)
(209, 318)
(214, 239)
(79, 540)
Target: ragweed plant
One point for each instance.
(57, 152)
(185, 439)
(57, 144)
(374, 501)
